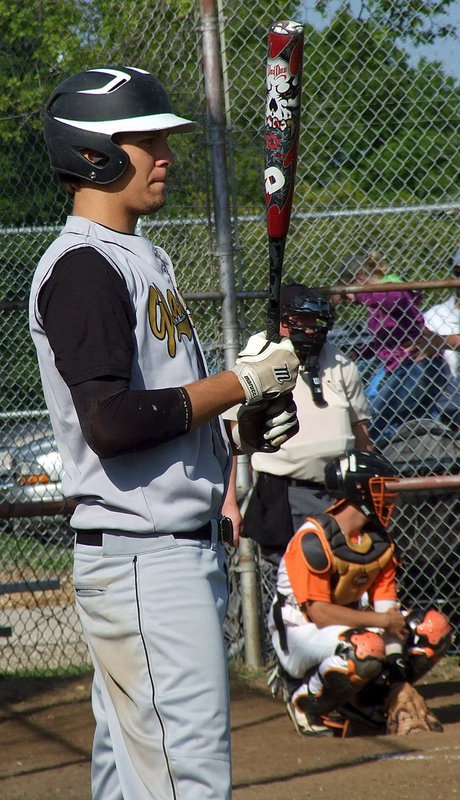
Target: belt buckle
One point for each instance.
(225, 530)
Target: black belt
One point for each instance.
(308, 484)
(94, 537)
(279, 622)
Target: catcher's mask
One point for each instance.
(361, 477)
(86, 111)
(308, 316)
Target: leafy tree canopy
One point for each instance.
(374, 128)
(421, 21)
(372, 125)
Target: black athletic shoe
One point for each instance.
(307, 724)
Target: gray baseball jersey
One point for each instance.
(178, 485)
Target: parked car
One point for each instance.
(17, 444)
(30, 472)
(353, 339)
(36, 471)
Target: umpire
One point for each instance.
(333, 413)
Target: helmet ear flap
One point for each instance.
(66, 154)
(334, 477)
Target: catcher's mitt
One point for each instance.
(408, 713)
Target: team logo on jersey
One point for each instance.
(168, 318)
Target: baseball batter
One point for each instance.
(145, 454)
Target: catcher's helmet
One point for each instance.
(87, 109)
(359, 477)
(297, 299)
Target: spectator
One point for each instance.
(333, 414)
(410, 387)
(443, 320)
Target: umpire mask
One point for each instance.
(309, 317)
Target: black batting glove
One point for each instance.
(267, 422)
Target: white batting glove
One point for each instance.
(266, 369)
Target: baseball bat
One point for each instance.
(282, 128)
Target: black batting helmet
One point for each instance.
(359, 476)
(87, 109)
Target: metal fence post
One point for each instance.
(220, 183)
(221, 199)
(248, 578)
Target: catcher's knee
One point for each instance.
(429, 639)
(358, 658)
(365, 653)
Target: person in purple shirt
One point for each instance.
(409, 388)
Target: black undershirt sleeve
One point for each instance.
(89, 319)
(115, 419)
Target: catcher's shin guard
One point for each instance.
(429, 639)
(358, 658)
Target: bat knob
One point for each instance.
(266, 447)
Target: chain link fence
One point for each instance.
(378, 170)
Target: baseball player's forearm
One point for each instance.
(116, 419)
(211, 396)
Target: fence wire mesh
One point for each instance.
(378, 171)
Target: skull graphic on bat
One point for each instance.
(283, 95)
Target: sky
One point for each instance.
(447, 51)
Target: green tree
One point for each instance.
(32, 51)
(44, 41)
(375, 127)
(421, 21)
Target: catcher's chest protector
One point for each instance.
(354, 564)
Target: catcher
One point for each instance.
(345, 649)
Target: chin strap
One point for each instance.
(310, 375)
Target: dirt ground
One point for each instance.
(46, 730)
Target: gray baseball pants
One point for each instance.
(152, 610)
